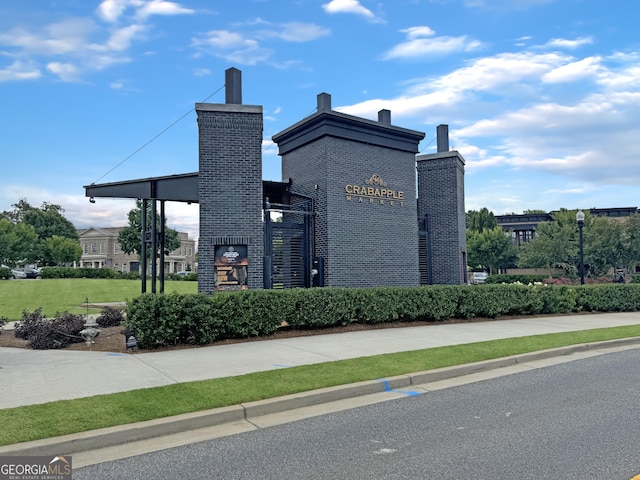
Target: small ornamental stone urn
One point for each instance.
(90, 331)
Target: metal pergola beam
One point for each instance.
(174, 188)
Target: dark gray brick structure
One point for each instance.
(230, 186)
(441, 212)
(361, 175)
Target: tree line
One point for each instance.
(607, 243)
(32, 235)
(43, 236)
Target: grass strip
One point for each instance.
(52, 419)
(60, 294)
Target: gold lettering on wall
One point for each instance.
(372, 189)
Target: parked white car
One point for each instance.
(479, 277)
(18, 273)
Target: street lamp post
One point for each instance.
(580, 219)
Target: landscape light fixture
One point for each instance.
(580, 219)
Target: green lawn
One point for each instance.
(70, 416)
(60, 294)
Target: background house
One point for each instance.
(100, 249)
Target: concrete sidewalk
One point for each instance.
(32, 376)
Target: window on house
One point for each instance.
(85, 248)
(103, 248)
(94, 248)
(116, 248)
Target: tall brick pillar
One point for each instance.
(230, 185)
(441, 212)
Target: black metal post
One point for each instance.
(163, 244)
(154, 244)
(143, 247)
(580, 225)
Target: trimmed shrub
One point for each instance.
(161, 320)
(29, 324)
(190, 277)
(5, 273)
(609, 298)
(43, 334)
(110, 317)
(64, 272)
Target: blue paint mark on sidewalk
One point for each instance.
(387, 388)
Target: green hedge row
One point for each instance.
(527, 279)
(172, 319)
(5, 273)
(64, 272)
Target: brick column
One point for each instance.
(441, 200)
(230, 186)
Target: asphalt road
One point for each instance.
(577, 420)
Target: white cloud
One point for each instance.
(66, 71)
(122, 38)
(569, 44)
(246, 48)
(19, 71)
(425, 47)
(525, 126)
(487, 73)
(587, 67)
(302, 32)
(162, 7)
(348, 6)
(112, 10)
(421, 31)
(224, 39)
(68, 48)
(66, 37)
(232, 46)
(418, 46)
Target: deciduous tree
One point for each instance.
(130, 237)
(555, 244)
(490, 249)
(61, 250)
(481, 220)
(18, 243)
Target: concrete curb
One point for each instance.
(119, 435)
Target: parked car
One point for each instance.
(18, 273)
(479, 277)
(21, 273)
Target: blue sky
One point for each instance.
(542, 97)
